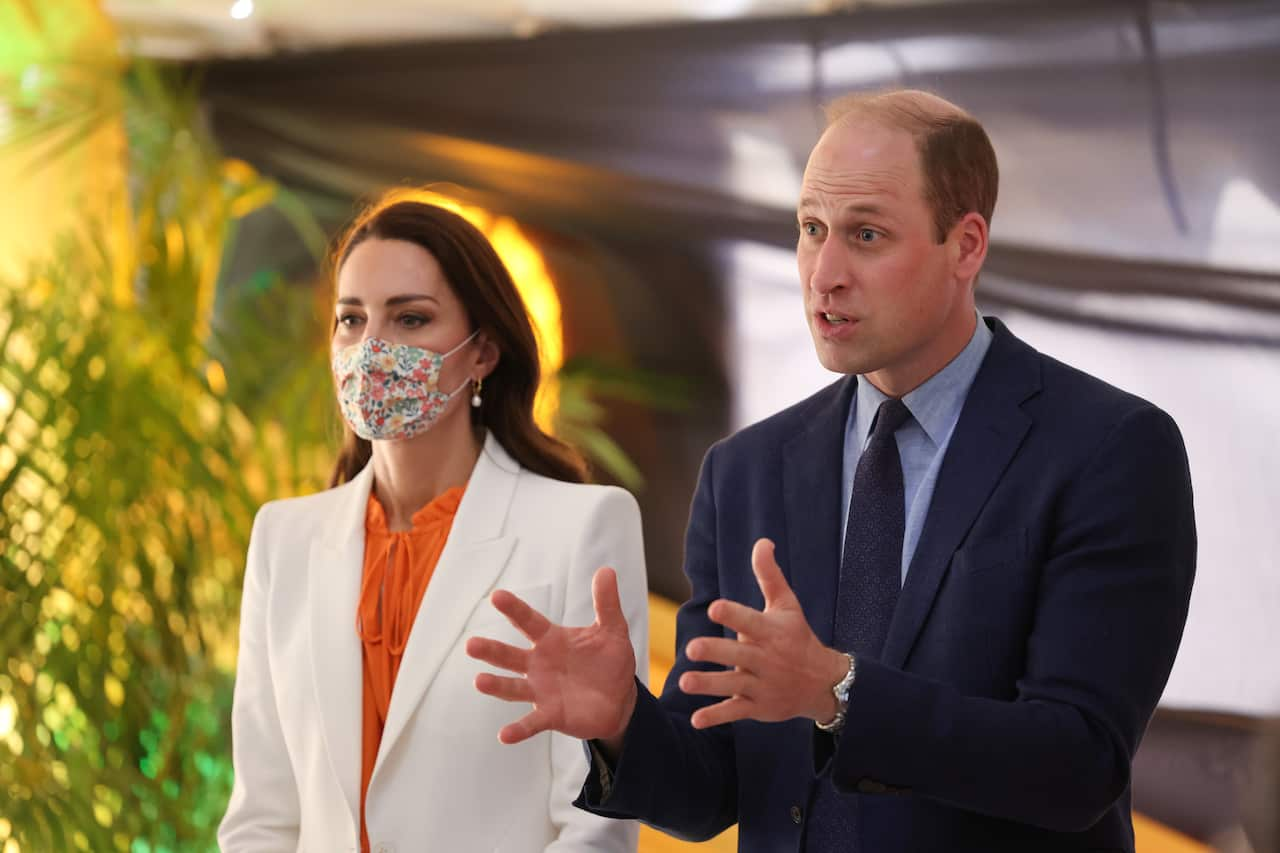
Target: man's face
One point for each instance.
(879, 292)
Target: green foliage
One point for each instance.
(118, 577)
(138, 434)
(583, 382)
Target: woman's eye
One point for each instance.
(413, 321)
(348, 320)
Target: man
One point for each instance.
(970, 564)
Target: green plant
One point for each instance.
(136, 441)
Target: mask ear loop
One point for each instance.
(475, 398)
(464, 342)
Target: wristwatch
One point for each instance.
(841, 691)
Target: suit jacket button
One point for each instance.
(796, 815)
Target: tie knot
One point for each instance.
(891, 415)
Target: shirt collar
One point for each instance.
(936, 404)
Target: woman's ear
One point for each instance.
(487, 354)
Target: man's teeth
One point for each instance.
(835, 318)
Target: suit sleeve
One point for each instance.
(611, 537)
(263, 813)
(1112, 601)
(669, 774)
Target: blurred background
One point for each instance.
(173, 172)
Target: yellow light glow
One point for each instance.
(8, 715)
(524, 261)
(216, 376)
(113, 689)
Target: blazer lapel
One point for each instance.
(470, 564)
(992, 426)
(334, 569)
(813, 464)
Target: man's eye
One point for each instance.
(866, 235)
(810, 229)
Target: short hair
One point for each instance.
(956, 157)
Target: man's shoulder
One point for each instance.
(1062, 391)
(1072, 394)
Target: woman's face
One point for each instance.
(396, 291)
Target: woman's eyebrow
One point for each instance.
(391, 300)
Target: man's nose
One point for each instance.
(830, 268)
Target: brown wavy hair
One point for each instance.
(484, 286)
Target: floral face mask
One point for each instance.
(390, 391)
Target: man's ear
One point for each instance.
(969, 239)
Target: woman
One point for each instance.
(355, 723)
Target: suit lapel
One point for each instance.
(472, 560)
(334, 570)
(992, 426)
(813, 464)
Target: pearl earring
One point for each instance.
(475, 393)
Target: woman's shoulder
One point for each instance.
(584, 493)
(565, 500)
(304, 511)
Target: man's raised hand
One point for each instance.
(778, 669)
(580, 681)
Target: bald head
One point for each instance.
(957, 161)
(901, 108)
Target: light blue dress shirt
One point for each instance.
(922, 441)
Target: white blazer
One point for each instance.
(442, 781)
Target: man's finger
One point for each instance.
(608, 604)
(499, 654)
(731, 653)
(737, 617)
(524, 728)
(769, 574)
(728, 711)
(731, 683)
(528, 621)
(504, 688)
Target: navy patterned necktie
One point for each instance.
(871, 567)
(870, 579)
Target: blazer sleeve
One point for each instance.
(610, 536)
(1114, 589)
(263, 813)
(671, 775)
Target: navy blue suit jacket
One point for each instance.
(1035, 631)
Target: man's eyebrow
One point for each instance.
(865, 207)
(391, 300)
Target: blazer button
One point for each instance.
(796, 815)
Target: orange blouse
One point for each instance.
(397, 568)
